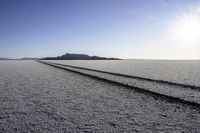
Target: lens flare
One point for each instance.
(187, 28)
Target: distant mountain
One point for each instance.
(69, 56)
(20, 58)
(4, 59)
(27, 58)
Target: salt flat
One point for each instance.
(179, 71)
(40, 98)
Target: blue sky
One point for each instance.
(112, 28)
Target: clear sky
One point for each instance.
(148, 29)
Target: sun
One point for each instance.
(187, 28)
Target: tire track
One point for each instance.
(171, 91)
(135, 77)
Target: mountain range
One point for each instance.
(67, 56)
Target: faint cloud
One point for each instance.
(198, 9)
(155, 20)
(149, 17)
(163, 3)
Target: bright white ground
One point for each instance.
(40, 98)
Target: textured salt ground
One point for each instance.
(178, 71)
(39, 98)
(183, 93)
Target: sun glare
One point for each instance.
(187, 28)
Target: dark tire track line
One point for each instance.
(138, 89)
(134, 77)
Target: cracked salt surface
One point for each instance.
(39, 98)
